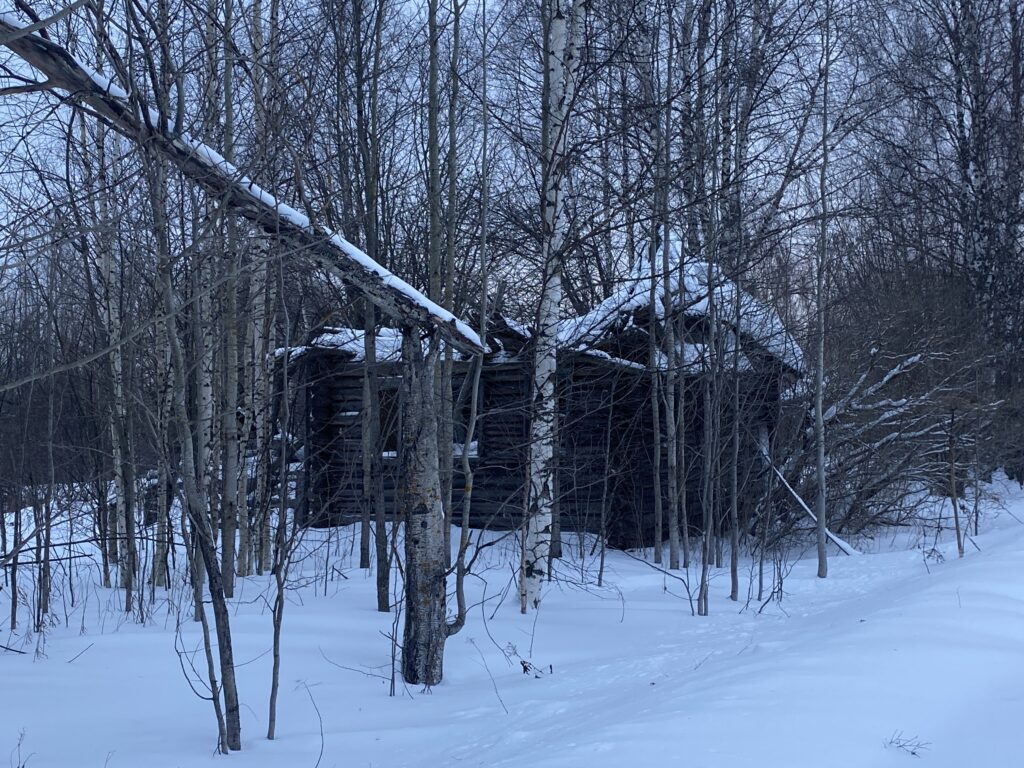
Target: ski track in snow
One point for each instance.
(885, 650)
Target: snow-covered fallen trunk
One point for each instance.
(843, 545)
(324, 249)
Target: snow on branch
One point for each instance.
(854, 399)
(323, 249)
(844, 545)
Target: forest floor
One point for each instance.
(903, 654)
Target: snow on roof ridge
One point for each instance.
(351, 340)
(758, 320)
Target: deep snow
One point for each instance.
(908, 646)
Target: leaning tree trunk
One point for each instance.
(197, 504)
(320, 248)
(420, 499)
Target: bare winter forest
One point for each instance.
(466, 304)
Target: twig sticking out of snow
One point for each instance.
(909, 744)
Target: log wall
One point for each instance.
(605, 457)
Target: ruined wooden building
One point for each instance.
(605, 425)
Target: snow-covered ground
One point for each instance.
(908, 650)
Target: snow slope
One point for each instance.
(901, 647)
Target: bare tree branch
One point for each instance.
(321, 248)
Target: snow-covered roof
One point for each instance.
(760, 326)
(759, 323)
(516, 327)
(351, 341)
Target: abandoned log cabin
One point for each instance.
(605, 472)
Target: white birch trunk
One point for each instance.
(561, 55)
(111, 313)
(264, 330)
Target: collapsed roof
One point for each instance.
(759, 324)
(593, 333)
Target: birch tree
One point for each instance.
(563, 29)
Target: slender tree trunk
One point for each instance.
(369, 418)
(371, 163)
(655, 139)
(367, 77)
(699, 219)
(16, 548)
(446, 424)
(102, 523)
(373, 477)
(461, 566)
(282, 548)
(766, 517)
(820, 509)
(265, 426)
(163, 491)
(684, 521)
(196, 501)
(712, 433)
(659, 536)
(230, 443)
(121, 532)
(734, 462)
(259, 522)
(211, 664)
(256, 363)
(672, 356)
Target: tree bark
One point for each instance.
(820, 509)
(420, 498)
(563, 29)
